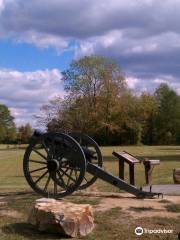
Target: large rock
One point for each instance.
(176, 175)
(62, 217)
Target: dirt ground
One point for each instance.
(137, 208)
(110, 210)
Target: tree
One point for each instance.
(93, 85)
(99, 103)
(147, 112)
(7, 125)
(24, 133)
(131, 129)
(167, 121)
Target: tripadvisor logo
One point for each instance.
(139, 231)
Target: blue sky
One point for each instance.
(27, 57)
(38, 40)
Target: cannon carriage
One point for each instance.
(57, 164)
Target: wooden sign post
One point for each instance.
(125, 157)
(149, 165)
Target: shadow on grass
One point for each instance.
(140, 209)
(173, 208)
(164, 201)
(169, 149)
(22, 193)
(28, 231)
(12, 149)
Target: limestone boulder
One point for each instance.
(62, 217)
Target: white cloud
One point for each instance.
(26, 92)
(159, 80)
(59, 21)
(120, 43)
(1, 5)
(43, 40)
(132, 82)
(143, 36)
(174, 83)
(143, 85)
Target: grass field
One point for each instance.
(12, 179)
(110, 225)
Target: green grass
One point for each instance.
(140, 209)
(12, 146)
(173, 208)
(114, 224)
(164, 153)
(12, 179)
(164, 201)
(162, 174)
(82, 200)
(11, 171)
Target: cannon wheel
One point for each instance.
(54, 165)
(87, 142)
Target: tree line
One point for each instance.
(9, 132)
(98, 102)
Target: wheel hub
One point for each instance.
(53, 165)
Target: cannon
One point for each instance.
(57, 164)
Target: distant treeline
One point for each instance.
(98, 102)
(9, 133)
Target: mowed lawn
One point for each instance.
(12, 179)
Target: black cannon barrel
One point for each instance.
(38, 133)
(118, 182)
(89, 154)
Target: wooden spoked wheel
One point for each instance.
(54, 165)
(92, 154)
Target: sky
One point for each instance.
(39, 39)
